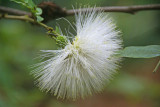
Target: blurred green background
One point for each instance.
(134, 86)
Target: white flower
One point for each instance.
(87, 63)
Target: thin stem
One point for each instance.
(27, 18)
(157, 66)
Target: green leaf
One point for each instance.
(27, 3)
(141, 51)
(38, 11)
(31, 4)
(22, 2)
(33, 8)
(39, 18)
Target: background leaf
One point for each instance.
(141, 51)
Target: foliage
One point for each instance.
(36, 11)
(141, 51)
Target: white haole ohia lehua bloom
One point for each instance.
(87, 63)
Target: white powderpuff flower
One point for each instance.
(87, 63)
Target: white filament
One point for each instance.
(86, 64)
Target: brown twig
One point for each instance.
(125, 9)
(50, 7)
(13, 11)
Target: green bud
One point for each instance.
(61, 41)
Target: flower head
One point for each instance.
(86, 64)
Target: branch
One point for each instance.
(51, 32)
(125, 9)
(24, 18)
(14, 11)
(52, 11)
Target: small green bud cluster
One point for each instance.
(61, 41)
